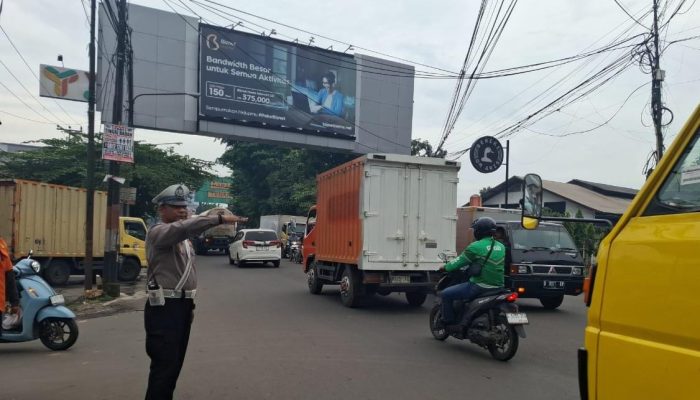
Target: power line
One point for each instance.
(19, 53)
(282, 78)
(629, 15)
(328, 38)
(23, 102)
(25, 118)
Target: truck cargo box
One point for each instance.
(387, 212)
(49, 219)
(467, 215)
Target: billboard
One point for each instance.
(63, 83)
(256, 80)
(216, 191)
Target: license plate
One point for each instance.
(517, 318)
(554, 284)
(262, 248)
(57, 300)
(401, 279)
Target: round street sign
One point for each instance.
(486, 154)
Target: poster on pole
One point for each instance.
(118, 143)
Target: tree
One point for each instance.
(423, 148)
(484, 190)
(270, 179)
(586, 236)
(62, 162)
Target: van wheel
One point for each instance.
(57, 273)
(350, 288)
(416, 299)
(550, 303)
(129, 270)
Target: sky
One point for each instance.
(435, 34)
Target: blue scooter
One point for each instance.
(44, 316)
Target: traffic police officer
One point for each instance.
(172, 286)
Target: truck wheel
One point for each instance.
(312, 279)
(350, 288)
(129, 270)
(416, 299)
(57, 273)
(276, 263)
(550, 303)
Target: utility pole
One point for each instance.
(657, 76)
(90, 200)
(113, 207)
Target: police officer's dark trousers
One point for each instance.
(167, 335)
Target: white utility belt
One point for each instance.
(179, 294)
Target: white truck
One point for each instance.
(380, 222)
(281, 225)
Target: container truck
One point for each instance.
(215, 238)
(378, 225)
(49, 220)
(543, 263)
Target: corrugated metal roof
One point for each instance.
(588, 198)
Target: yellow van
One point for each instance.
(642, 339)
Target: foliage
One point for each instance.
(269, 179)
(484, 190)
(586, 236)
(423, 148)
(63, 161)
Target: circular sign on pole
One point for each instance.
(486, 154)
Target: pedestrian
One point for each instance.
(172, 286)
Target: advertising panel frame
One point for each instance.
(294, 93)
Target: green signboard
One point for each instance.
(215, 191)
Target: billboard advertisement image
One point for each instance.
(253, 79)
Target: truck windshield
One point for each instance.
(545, 237)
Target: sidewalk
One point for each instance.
(132, 298)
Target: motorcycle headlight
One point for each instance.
(36, 266)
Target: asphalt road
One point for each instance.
(259, 334)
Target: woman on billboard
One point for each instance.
(330, 100)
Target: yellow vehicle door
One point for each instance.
(132, 238)
(643, 333)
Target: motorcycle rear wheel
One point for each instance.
(436, 327)
(506, 348)
(58, 334)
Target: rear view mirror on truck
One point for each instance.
(532, 201)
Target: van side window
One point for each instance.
(680, 192)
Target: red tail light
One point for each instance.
(512, 297)
(247, 243)
(275, 243)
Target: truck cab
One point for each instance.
(543, 263)
(132, 247)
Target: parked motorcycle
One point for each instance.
(44, 316)
(491, 320)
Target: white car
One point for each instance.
(255, 245)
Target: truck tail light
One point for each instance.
(247, 243)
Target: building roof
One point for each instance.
(589, 198)
(602, 198)
(609, 190)
(15, 147)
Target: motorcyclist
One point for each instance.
(486, 251)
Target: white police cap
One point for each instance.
(175, 195)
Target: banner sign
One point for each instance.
(217, 191)
(64, 83)
(127, 195)
(118, 143)
(246, 78)
(486, 154)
